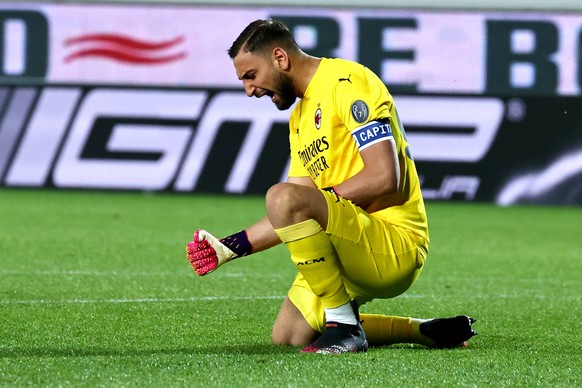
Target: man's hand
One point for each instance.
(206, 253)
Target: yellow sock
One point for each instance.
(314, 256)
(387, 330)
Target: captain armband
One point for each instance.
(372, 133)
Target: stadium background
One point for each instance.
(142, 96)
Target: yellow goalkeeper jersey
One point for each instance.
(345, 109)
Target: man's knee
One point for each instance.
(286, 203)
(280, 336)
(289, 203)
(293, 337)
(291, 328)
(282, 197)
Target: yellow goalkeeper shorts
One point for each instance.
(378, 259)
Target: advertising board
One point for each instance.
(145, 98)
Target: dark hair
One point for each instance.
(261, 35)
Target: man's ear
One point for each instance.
(281, 59)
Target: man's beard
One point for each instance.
(286, 92)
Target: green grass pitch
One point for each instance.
(95, 290)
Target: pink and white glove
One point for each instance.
(206, 253)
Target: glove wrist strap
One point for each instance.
(238, 243)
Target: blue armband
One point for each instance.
(372, 133)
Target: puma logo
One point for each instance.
(345, 79)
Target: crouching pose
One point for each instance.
(351, 212)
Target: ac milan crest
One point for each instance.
(318, 118)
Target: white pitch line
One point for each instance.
(128, 274)
(139, 300)
(83, 273)
(157, 300)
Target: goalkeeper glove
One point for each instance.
(206, 252)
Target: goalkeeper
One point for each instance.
(351, 212)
